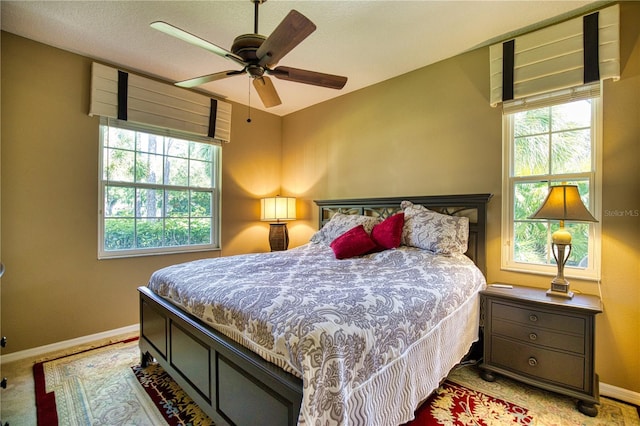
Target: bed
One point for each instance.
(302, 337)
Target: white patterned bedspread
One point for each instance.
(369, 336)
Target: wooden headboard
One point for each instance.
(473, 206)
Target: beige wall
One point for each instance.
(427, 132)
(432, 131)
(55, 289)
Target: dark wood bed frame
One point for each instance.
(235, 386)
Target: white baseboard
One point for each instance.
(620, 394)
(66, 344)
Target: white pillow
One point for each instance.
(341, 223)
(433, 231)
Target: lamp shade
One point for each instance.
(563, 203)
(278, 208)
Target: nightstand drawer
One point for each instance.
(540, 363)
(526, 315)
(537, 336)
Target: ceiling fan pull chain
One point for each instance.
(249, 106)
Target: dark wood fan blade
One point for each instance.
(193, 82)
(266, 91)
(195, 40)
(309, 77)
(294, 28)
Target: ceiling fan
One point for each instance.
(258, 55)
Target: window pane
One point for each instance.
(200, 174)
(149, 168)
(177, 204)
(120, 138)
(177, 148)
(200, 151)
(148, 233)
(531, 156)
(118, 234)
(200, 204)
(176, 232)
(579, 244)
(571, 152)
(149, 203)
(200, 231)
(119, 201)
(118, 165)
(528, 197)
(531, 122)
(147, 142)
(530, 242)
(583, 190)
(573, 115)
(177, 171)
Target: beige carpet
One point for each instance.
(115, 386)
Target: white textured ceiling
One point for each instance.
(367, 41)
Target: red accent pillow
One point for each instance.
(388, 233)
(354, 242)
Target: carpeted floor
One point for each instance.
(120, 388)
(18, 403)
(548, 408)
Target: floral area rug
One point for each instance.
(546, 408)
(94, 387)
(175, 405)
(453, 404)
(107, 386)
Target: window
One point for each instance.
(159, 191)
(550, 140)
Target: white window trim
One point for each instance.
(593, 272)
(156, 251)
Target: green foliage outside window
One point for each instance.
(552, 145)
(158, 191)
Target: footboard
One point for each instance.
(230, 383)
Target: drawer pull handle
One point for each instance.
(533, 336)
(533, 362)
(533, 318)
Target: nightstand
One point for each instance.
(542, 340)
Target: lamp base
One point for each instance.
(278, 236)
(559, 285)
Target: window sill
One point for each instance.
(107, 256)
(568, 273)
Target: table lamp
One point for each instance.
(562, 203)
(278, 209)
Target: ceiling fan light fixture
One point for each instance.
(255, 71)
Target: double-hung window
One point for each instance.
(159, 191)
(550, 140)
